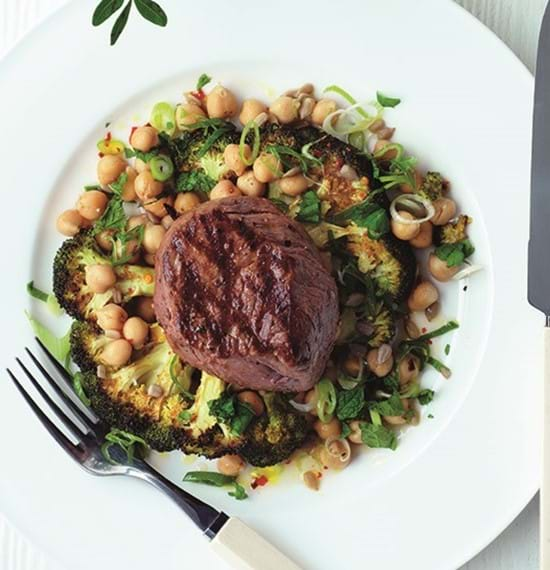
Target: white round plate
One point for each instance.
(455, 481)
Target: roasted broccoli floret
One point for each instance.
(69, 278)
(383, 324)
(177, 419)
(432, 186)
(200, 152)
(452, 232)
(276, 434)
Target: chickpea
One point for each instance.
(424, 238)
(285, 109)
(439, 269)
(250, 110)
(224, 189)
(104, 240)
(405, 231)
(336, 454)
(136, 221)
(152, 237)
(408, 369)
(129, 191)
(329, 429)
(267, 167)
(135, 331)
(352, 365)
(188, 114)
(109, 168)
(398, 420)
(445, 211)
(141, 165)
(230, 465)
(185, 202)
(158, 207)
(146, 187)
(167, 221)
(117, 353)
(322, 109)
(149, 259)
(111, 317)
(69, 223)
(144, 308)
(380, 363)
(221, 103)
(92, 204)
(232, 158)
(254, 400)
(100, 277)
(294, 185)
(249, 185)
(144, 138)
(423, 295)
(311, 399)
(355, 436)
(381, 144)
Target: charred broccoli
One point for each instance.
(432, 186)
(453, 232)
(276, 434)
(69, 278)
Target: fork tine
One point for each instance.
(75, 451)
(66, 400)
(68, 423)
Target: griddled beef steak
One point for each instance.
(241, 293)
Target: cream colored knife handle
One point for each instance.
(244, 549)
(545, 481)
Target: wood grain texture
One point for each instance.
(517, 23)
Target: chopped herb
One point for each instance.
(455, 253)
(386, 101)
(430, 416)
(194, 181)
(123, 240)
(114, 217)
(378, 436)
(447, 349)
(79, 389)
(125, 443)
(144, 156)
(366, 214)
(447, 327)
(291, 158)
(184, 417)
(203, 81)
(346, 431)
(229, 410)
(390, 407)
(92, 187)
(425, 397)
(350, 403)
(48, 298)
(309, 208)
(118, 186)
(59, 347)
(216, 480)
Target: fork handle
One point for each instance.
(545, 481)
(244, 549)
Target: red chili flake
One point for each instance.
(200, 95)
(429, 341)
(424, 329)
(132, 131)
(108, 136)
(259, 481)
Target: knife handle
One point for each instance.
(545, 481)
(244, 549)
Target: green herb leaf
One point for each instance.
(113, 218)
(455, 253)
(390, 407)
(152, 11)
(36, 293)
(232, 412)
(310, 208)
(386, 101)
(118, 185)
(425, 397)
(129, 444)
(203, 81)
(366, 214)
(447, 327)
(194, 181)
(104, 10)
(144, 156)
(216, 480)
(184, 417)
(378, 436)
(238, 493)
(350, 403)
(120, 23)
(89, 187)
(346, 431)
(79, 389)
(121, 252)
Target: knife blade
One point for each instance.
(539, 230)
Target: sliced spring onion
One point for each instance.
(411, 202)
(345, 95)
(59, 346)
(250, 126)
(326, 400)
(162, 168)
(111, 146)
(357, 140)
(392, 146)
(129, 444)
(447, 327)
(343, 122)
(467, 271)
(163, 118)
(181, 374)
(216, 480)
(302, 407)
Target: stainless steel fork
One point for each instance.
(234, 541)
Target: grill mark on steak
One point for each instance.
(234, 281)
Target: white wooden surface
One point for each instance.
(517, 23)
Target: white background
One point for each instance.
(517, 23)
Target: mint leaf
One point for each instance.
(387, 101)
(425, 397)
(310, 208)
(350, 403)
(390, 407)
(378, 436)
(368, 215)
(232, 412)
(455, 253)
